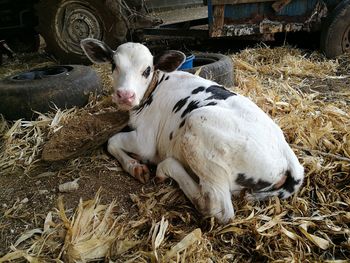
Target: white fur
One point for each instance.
(216, 143)
(132, 59)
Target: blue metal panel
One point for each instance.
(298, 8)
(210, 12)
(246, 11)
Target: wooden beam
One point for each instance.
(218, 21)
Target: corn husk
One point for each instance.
(304, 93)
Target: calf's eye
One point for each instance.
(146, 72)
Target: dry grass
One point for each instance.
(22, 143)
(23, 62)
(312, 226)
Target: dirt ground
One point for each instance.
(26, 198)
(32, 196)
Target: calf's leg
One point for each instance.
(124, 142)
(208, 199)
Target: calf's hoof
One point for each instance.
(160, 177)
(140, 172)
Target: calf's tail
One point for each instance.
(289, 183)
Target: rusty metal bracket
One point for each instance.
(279, 5)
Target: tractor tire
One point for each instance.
(64, 23)
(213, 66)
(43, 89)
(335, 36)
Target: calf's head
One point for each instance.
(133, 67)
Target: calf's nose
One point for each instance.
(126, 95)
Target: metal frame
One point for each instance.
(222, 24)
(179, 30)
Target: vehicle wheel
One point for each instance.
(64, 23)
(40, 89)
(335, 37)
(216, 67)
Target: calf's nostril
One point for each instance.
(125, 95)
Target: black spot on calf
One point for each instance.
(219, 93)
(161, 80)
(190, 107)
(178, 106)
(171, 136)
(290, 183)
(249, 183)
(213, 103)
(182, 123)
(149, 100)
(197, 90)
(167, 77)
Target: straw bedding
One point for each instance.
(307, 95)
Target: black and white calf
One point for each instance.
(211, 141)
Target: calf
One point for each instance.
(211, 141)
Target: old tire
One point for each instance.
(40, 89)
(335, 37)
(64, 23)
(213, 66)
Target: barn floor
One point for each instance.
(306, 94)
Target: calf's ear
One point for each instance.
(169, 61)
(96, 50)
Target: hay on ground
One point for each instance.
(303, 94)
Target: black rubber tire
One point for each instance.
(63, 39)
(63, 86)
(335, 36)
(213, 66)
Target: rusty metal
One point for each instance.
(266, 27)
(319, 12)
(240, 30)
(255, 26)
(258, 25)
(279, 5)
